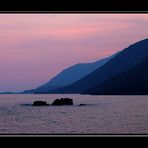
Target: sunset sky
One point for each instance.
(35, 47)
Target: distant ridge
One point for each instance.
(122, 62)
(70, 75)
(8, 93)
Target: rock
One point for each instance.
(63, 101)
(82, 104)
(40, 103)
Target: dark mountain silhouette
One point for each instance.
(131, 82)
(76, 72)
(122, 62)
(70, 75)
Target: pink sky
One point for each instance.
(35, 47)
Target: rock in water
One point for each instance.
(40, 103)
(82, 104)
(56, 102)
(63, 101)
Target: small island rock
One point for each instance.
(63, 101)
(40, 103)
(82, 104)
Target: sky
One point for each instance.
(36, 47)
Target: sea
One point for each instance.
(100, 115)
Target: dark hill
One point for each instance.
(70, 75)
(122, 62)
(131, 82)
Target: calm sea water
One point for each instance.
(102, 115)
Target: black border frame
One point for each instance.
(73, 135)
(108, 6)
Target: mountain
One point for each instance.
(131, 82)
(70, 75)
(122, 62)
(76, 72)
